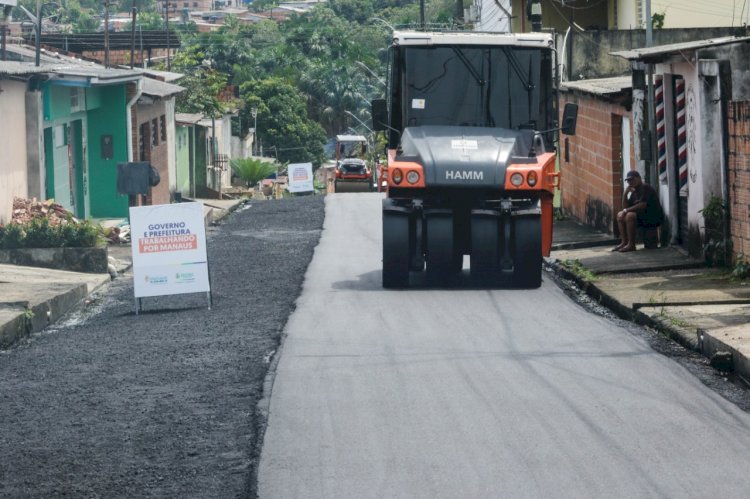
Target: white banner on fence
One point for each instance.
(300, 177)
(168, 243)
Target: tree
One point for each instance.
(202, 83)
(283, 124)
(146, 21)
(85, 23)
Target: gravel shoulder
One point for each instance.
(109, 404)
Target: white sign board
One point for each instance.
(300, 177)
(168, 243)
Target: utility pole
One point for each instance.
(254, 113)
(38, 45)
(421, 14)
(106, 33)
(651, 171)
(166, 17)
(4, 29)
(132, 34)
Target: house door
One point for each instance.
(75, 168)
(681, 158)
(62, 171)
(64, 166)
(625, 150)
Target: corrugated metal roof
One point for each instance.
(66, 66)
(16, 68)
(167, 76)
(156, 88)
(188, 118)
(99, 73)
(600, 86)
(662, 52)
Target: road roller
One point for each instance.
(472, 124)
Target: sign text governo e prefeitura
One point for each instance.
(168, 243)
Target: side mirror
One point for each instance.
(569, 119)
(379, 115)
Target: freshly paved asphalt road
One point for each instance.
(479, 393)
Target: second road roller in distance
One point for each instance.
(352, 172)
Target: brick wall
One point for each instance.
(592, 179)
(157, 155)
(739, 176)
(122, 57)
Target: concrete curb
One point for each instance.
(32, 318)
(710, 346)
(584, 244)
(681, 335)
(692, 338)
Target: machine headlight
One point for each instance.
(412, 177)
(397, 176)
(516, 179)
(532, 179)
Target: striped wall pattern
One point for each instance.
(681, 132)
(661, 129)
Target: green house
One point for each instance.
(85, 116)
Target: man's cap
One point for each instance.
(632, 174)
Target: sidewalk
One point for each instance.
(31, 298)
(697, 306)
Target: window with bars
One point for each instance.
(163, 128)
(142, 137)
(154, 132)
(77, 100)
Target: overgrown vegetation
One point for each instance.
(657, 19)
(576, 268)
(741, 269)
(715, 246)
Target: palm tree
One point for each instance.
(252, 170)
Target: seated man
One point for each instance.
(642, 209)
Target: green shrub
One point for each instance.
(38, 233)
(12, 236)
(86, 236)
(68, 234)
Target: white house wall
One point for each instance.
(701, 13)
(705, 155)
(13, 176)
(627, 14)
(631, 14)
(491, 15)
(222, 129)
(172, 140)
(224, 137)
(669, 198)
